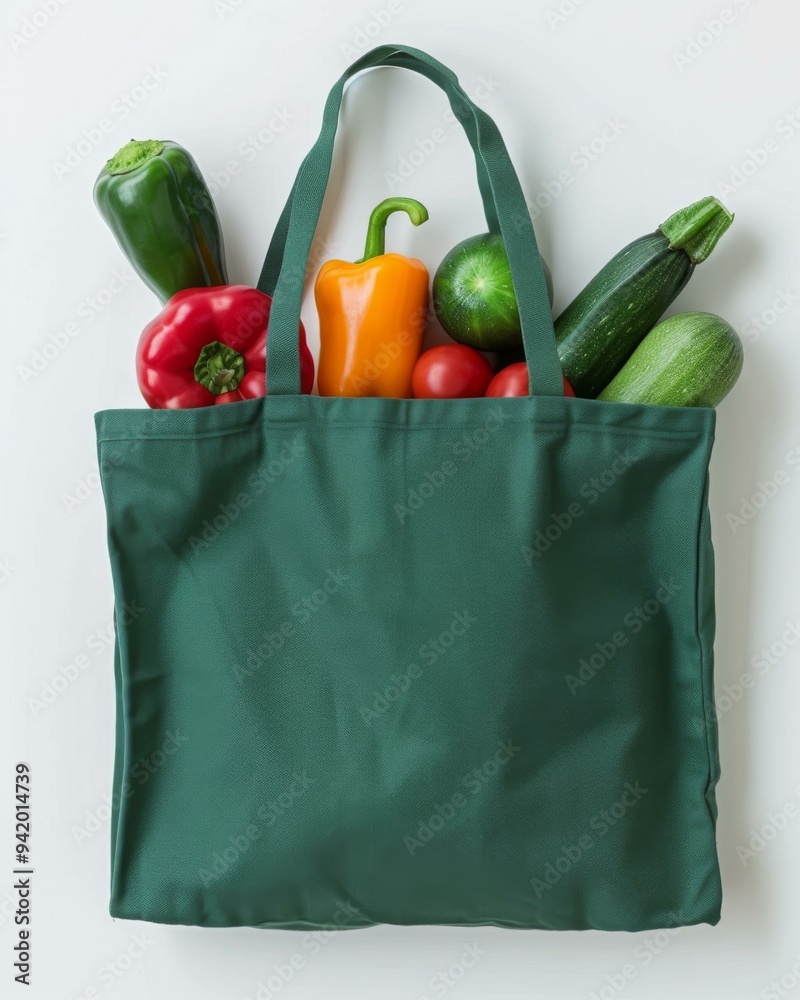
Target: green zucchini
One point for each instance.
(692, 359)
(601, 327)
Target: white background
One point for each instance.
(692, 108)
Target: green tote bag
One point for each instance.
(412, 661)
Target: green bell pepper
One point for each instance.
(157, 205)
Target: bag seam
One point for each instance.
(706, 664)
(122, 728)
(630, 431)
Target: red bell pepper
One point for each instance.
(208, 346)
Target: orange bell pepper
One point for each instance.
(372, 314)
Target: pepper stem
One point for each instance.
(376, 230)
(219, 368)
(697, 229)
(133, 154)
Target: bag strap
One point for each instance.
(444, 79)
(291, 245)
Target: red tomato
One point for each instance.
(452, 371)
(513, 381)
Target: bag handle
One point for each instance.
(500, 186)
(444, 79)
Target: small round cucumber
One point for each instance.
(692, 359)
(473, 294)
